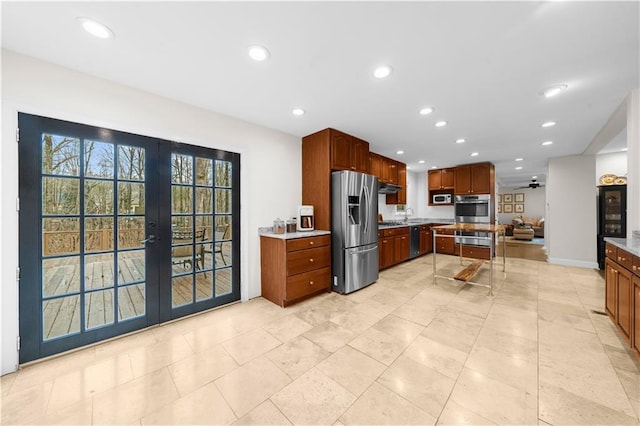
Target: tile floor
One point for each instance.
(402, 351)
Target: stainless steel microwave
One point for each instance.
(441, 199)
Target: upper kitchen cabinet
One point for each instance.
(474, 179)
(441, 179)
(348, 152)
(375, 165)
(399, 197)
(389, 170)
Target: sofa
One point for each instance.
(535, 223)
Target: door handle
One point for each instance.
(151, 239)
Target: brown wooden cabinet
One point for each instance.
(348, 152)
(474, 179)
(445, 245)
(322, 152)
(636, 313)
(399, 197)
(401, 246)
(375, 165)
(385, 250)
(294, 269)
(426, 239)
(622, 293)
(441, 179)
(393, 246)
(475, 252)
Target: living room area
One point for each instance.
(522, 211)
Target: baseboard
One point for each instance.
(572, 262)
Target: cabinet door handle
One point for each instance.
(310, 282)
(311, 260)
(310, 243)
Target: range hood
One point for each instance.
(388, 188)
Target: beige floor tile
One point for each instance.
(251, 384)
(456, 414)
(508, 322)
(359, 318)
(85, 382)
(159, 355)
(558, 406)
(199, 369)
(434, 296)
(623, 359)
(6, 382)
(599, 384)
(422, 315)
(79, 413)
(379, 345)
(479, 394)
(517, 372)
(442, 358)
(205, 406)
(313, 399)
(125, 344)
(286, 328)
(264, 414)
(380, 406)
(424, 387)
(250, 345)
(297, 356)
(26, 405)
(352, 369)
(207, 336)
(630, 382)
(330, 336)
(398, 327)
(134, 399)
(456, 336)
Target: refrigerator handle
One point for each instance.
(368, 206)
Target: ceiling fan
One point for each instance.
(533, 185)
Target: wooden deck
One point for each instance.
(62, 276)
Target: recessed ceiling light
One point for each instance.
(382, 72)
(434, 167)
(519, 168)
(461, 140)
(298, 111)
(534, 177)
(548, 124)
(96, 29)
(554, 90)
(400, 152)
(474, 154)
(258, 53)
(421, 162)
(408, 167)
(546, 143)
(441, 123)
(624, 149)
(519, 159)
(426, 111)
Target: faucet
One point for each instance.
(407, 211)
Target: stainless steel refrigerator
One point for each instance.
(354, 230)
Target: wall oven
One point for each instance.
(473, 209)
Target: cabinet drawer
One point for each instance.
(635, 268)
(610, 251)
(424, 227)
(307, 260)
(624, 258)
(308, 242)
(402, 231)
(474, 251)
(303, 284)
(445, 245)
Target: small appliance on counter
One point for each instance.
(441, 199)
(305, 218)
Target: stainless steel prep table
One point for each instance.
(494, 230)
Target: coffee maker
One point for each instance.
(305, 218)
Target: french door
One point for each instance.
(119, 232)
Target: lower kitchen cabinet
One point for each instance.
(475, 252)
(622, 293)
(294, 269)
(393, 246)
(445, 245)
(426, 240)
(401, 245)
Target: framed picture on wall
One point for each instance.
(507, 208)
(499, 208)
(518, 207)
(499, 198)
(507, 198)
(519, 197)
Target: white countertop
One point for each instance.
(293, 235)
(632, 245)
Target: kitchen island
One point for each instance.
(466, 275)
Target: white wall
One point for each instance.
(270, 160)
(534, 203)
(614, 163)
(571, 218)
(633, 162)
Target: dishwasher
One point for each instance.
(414, 241)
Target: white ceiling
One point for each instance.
(481, 65)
